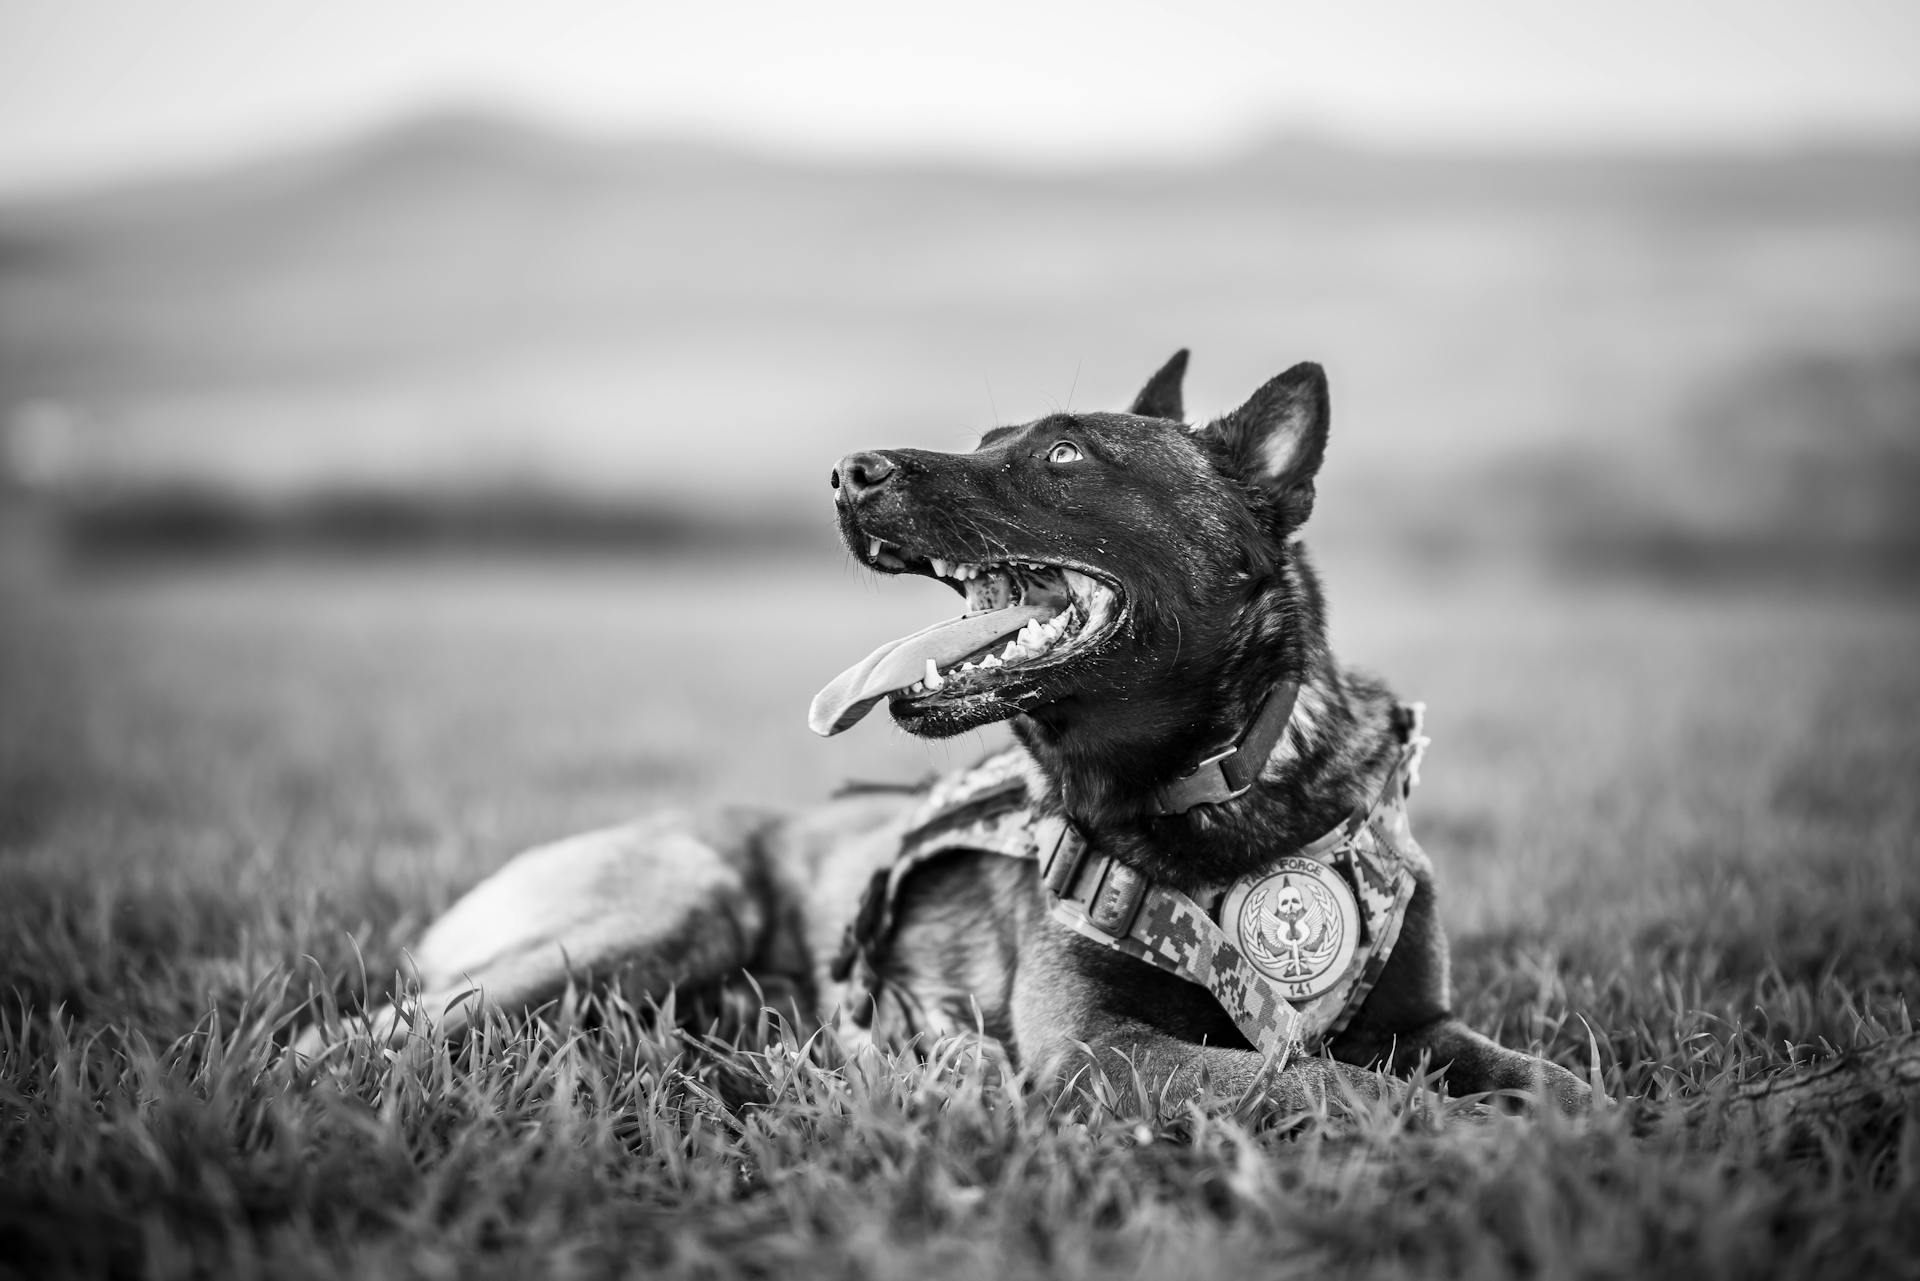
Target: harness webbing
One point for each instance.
(1202, 938)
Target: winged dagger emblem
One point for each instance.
(1297, 928)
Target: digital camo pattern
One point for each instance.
(1175, 933)
(1372, 855)
(956, 790)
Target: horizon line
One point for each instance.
(504, 119)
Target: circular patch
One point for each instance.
(1297, 922)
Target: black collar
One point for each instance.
(1232, 770)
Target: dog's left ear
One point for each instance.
(1278, 439)
(1160, 398)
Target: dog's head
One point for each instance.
(1115, 567)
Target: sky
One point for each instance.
(93, 90)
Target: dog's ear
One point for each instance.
(1160, 398)
(1278, 439)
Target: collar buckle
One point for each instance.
(1231, 772)
(1205, 784)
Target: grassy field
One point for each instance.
(1675, 830)
(1675, 825)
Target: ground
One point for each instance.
(1674, 827)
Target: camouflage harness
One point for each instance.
(1289, 951)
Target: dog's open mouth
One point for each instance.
(1021, 617)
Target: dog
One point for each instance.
(1195, 864)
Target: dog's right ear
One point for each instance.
(1278, 439)
(1160, 398)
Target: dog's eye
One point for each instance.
(1064, 451)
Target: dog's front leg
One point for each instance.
(1476, 1064)
(1076, 1004)
(1177, 1072)
(1407, 1022)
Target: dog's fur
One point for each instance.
(1195, 529)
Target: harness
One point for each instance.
(1290, 951)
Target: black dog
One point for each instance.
(1197, 862)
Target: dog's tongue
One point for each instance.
(899, 663)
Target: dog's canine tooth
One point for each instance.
(874, 545)
(934, 679)
(939, 567)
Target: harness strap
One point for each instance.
(1368, 860)
(1115, 906)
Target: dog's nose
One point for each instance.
(858, 474)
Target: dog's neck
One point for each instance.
(1337, 745)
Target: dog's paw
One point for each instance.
(1531, 1086)
(1573, 1096)
(1569, 1095)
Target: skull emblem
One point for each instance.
(1290, 905)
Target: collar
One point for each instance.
(1231, 771)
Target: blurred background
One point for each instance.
(434, 401)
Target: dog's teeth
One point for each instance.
(939, 567)
(1012, 651)
(873, 548)
(990, 660)
(934, 679)
(966, 667)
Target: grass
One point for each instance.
(1675, 835)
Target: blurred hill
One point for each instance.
(467, 315)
